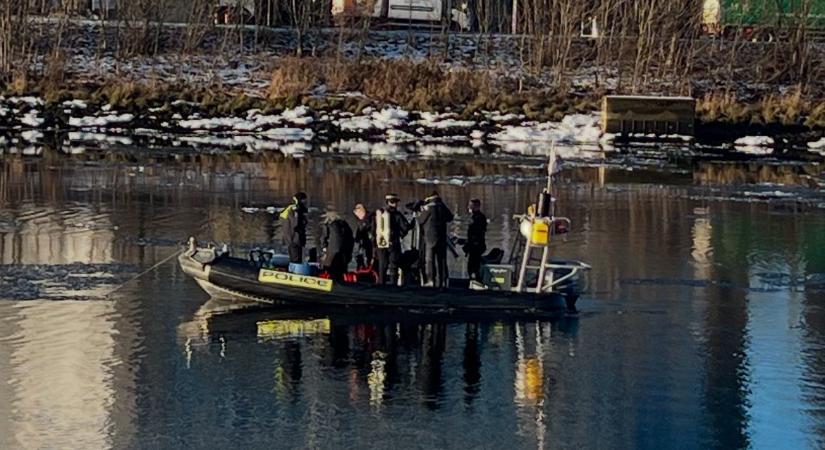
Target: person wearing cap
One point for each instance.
(433, 220)
(336, 243)
(294, 229)
(364, 235)
(476, 243)
(390, 227)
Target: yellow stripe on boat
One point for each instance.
(294, 280)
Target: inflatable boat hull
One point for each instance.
(228, 278)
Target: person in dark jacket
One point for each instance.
(433, 220)
(390, 227)
(294, 228)
(476, 243)
(337, 244)
(364, 235)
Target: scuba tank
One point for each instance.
(382, 228)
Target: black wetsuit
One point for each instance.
(294, 231)
(476, 244)
(388, 258)
(337, 242)
(433, 220)
(364, 237)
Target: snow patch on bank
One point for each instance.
(817, 146)
(754, 145)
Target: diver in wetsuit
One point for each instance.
(337, 244)
(476, 244)
(294, 229)
(433, 220)
(364, 236)
(390, 227)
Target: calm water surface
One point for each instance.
(703, 325)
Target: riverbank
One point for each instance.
(229, 69)
(456, 93)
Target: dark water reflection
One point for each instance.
(703, 326)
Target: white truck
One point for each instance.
(404, 12)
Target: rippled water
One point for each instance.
(703, 324)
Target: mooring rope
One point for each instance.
(155, 266)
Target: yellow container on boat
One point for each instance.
(540, 234)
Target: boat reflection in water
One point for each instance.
(379, 354)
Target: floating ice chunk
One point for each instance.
(528, 134)
(755, 141)
(290, 134)
(75, 104)
(477, 134)
(754, 145)
(452, 123)
(31, 119)
(389, 118)
(73, 149)
(817, 146)
(443, 121)
(32, 151)
(102, 121)
(298, 115)
(443, 150)
(357, 123)
(211, 124)
(498, 117)
(399, 136)
(107, 107)
(31, 135)
(99, 137)
(578, 120)
(296, 149)
(31, 101)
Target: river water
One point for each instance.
(703, 324)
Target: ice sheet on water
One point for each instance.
(463, 180)
(575, 128)
(371, 149)
(290, 134)
(100, 121)
(83, 136)
(61, 282)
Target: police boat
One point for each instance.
(529, 285)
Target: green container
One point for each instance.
(776, 14)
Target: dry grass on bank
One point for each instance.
(791, 108)
(416, 85)
(420, 85)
